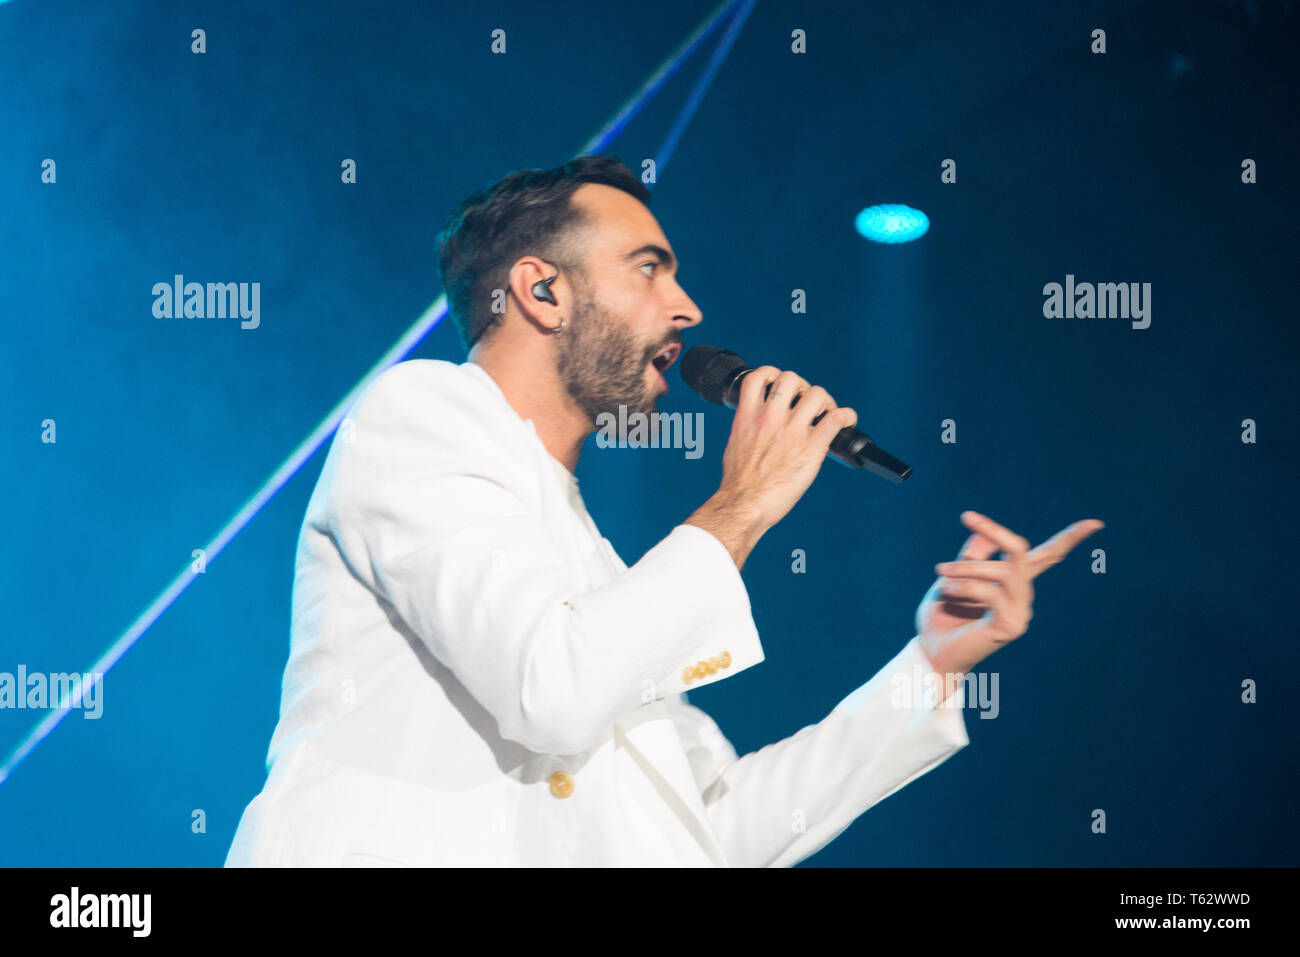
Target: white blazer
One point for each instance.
(476, 678)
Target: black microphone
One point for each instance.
(716, 373)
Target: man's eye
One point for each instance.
(650, 264)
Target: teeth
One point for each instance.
(664, 358)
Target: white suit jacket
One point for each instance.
(476, 678)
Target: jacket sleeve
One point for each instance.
(783, 803)
(434, 516)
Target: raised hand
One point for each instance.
(977, 605)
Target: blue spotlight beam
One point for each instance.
(418, 330)
(701, 87)
(620, 120)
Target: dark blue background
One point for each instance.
(1124, 694)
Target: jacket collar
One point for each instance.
(481, 375)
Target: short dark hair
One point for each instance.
(526, 213)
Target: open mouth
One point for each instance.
(666, 357)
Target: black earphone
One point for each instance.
(542, 290)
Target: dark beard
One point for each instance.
(602, 365)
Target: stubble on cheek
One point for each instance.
(604, 367)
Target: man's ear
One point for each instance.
(524, 275)
(522, 279)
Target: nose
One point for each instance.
(686, 313)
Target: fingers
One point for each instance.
(786, 396)
(787, 389)
(754, 385)
(1014, 546)
(774, 388)
(1006, 587)
(990, 571)
(977, 547)
(824, 432)
(991, 596)
(814, 402)
(818, 409)
(1002, 590)
(775, 450)
(1010, 617)
(1003, 573)
(1061, 544)
(1010, 543)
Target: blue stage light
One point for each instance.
(892, 223)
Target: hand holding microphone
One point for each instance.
(783, 430)
(716, 375)
(779, 440)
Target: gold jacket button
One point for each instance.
(561, 784)
(725, 660)
(688, 675)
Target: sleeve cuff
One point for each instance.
(732, 643)
(924, 690)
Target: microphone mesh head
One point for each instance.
(708, 370)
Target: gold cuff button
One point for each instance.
(561, 784)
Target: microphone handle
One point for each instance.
(850, 446)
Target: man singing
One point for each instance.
(476, 678)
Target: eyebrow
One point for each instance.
(664, 256)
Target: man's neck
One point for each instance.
(558, 422)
